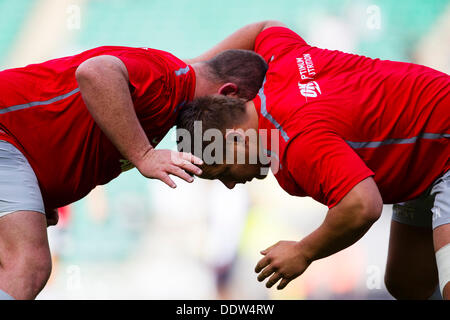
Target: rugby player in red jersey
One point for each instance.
(69, 124)
(352, 133)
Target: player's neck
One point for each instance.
(203, 85)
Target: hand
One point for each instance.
(158, 164)
(51, 216)
(284, 260)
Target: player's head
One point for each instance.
(223, 132)
(239, 73)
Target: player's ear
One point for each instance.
(229, 89)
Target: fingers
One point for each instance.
(187, 162)
(266, 269)
(266, 273)
(178, 158)
(283, 283)
(191, 158)
(264, 262)
(159, 164)
(166, 179)
(265, 251)
(273, 279)
(180, 173)
(186, 165)
(270, 271)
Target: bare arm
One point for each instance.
(243, 38)
(103, 83)
(344, 224)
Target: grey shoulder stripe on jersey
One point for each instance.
(376, 144)
(182, 71)
(38, 103)
(267, 115)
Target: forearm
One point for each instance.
(338, 231)
(244, 38)
(344, 224)
(107, 96)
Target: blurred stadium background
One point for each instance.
(135, 238)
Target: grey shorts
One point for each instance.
(19, 188)
(431, 209)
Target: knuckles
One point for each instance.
(276, 266)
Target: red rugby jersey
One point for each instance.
(342, 118)
(42, 114)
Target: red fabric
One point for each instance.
(64, 216)
(67, 150)
(324, 100)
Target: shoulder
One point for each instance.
(142, 56)
(276, 39)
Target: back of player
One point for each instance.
(43, 114)
(394, 115)
(343, 118)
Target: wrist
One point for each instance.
(306, 250)
(143, 157)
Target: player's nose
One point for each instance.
(229, 185)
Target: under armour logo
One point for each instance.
(310, 89)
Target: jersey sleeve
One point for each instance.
(324, 166)
(274, 40)
(146, 76)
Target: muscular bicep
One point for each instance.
(103, 84)
(363, 198)
(131, 74)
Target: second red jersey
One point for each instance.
(43, 114)
(342, 118)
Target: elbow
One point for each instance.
(363, 205)
(100, 68)
(372, 214)
(83, 73)
(86, 71)
(369, 210)
(364, 208)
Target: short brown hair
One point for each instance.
(245, 68)
(214, 112)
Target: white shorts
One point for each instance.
(431, 209)
(19, 188)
